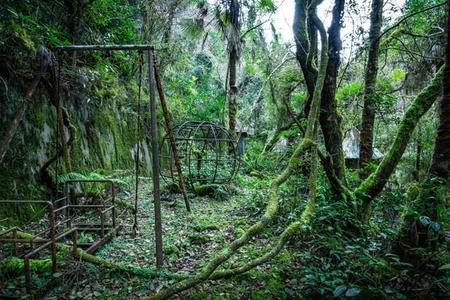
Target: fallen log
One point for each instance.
(125, 268)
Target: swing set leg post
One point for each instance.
(155, 162)
(173, 144)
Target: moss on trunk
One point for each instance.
(374, 184)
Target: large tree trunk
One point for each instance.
(306, 44)
(329, 118)
(440, 165)
(368, 114)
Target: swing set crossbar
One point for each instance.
(103, 47)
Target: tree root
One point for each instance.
(284, 237)
(287, 234)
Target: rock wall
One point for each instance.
(102, 113)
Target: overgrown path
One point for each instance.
(189, 240)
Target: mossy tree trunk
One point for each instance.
(370, 80)
(305, 42)
(329, 118)
(233, 58)
(374, 184)
(16, 264)
(417, 163)
(232, 92)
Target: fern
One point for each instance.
(71, 176)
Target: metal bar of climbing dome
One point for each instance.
(103, 47)
(155, 161)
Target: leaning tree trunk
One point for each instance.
(431, 202)
(374, 184)
(368, 114)
(329, 118)
(9, 133)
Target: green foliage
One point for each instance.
(93, 189)
(397, 75)
(195, 94)
(113, 21)
(266, 5)
(331, 258)
(349, 91)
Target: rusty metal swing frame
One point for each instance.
(154, 131)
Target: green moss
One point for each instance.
(374, 184)
(13, 266)
(204, 223)
(199, 238)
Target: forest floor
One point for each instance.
(322, 262)
(189, 240)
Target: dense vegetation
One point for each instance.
(344, 181)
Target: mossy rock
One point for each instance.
(172, 188)
(199, 239)
(203, 226)
(215, 191)
(171, 249)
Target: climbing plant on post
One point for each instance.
(234, 44)
(155, 161)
